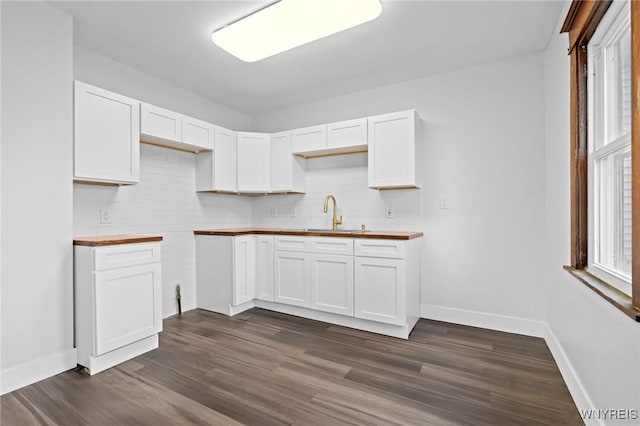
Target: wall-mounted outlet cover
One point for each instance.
(105, 217)
(388, 213)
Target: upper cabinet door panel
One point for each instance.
(197, 133)
(309, 139)
(106, 136)
(392, 150)
(225, 160)
(160, 123)
(281, 162)
(254, 162)
(347, 134)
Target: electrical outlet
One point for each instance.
(274, 212)
(293, 212)
(444, 204)
(388, 213)
(105, 217)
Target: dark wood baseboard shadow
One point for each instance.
(609, 293)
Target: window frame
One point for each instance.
(581, 23)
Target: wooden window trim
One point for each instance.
(581, 22)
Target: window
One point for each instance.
(609, 140)
(604, 49)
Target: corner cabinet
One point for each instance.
(225, 273)
(118, 302)
(106, 136)
(287, 170)
(254, 162)
(216, 170)
(393, 152)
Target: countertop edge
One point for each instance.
(384, 235)
(112, 240)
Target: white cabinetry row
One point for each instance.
(118, 303)
(108, 129)
(362, 283)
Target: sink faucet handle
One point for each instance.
(339, 220)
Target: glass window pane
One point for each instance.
(613, 212)
(624, 79)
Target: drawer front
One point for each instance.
(390, 249)
(123, 255)
(292, 243)
(332, 245)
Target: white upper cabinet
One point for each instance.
(347, 136)
(197, 133)
(216, 170)
(254, 162)
(309, 141)
(392, 151)
(287, 171)
(106, 136)
(163, 127)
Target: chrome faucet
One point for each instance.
(335, 221)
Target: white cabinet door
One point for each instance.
(160, 124)
(106, 136)
(281, 162)
(244, 273)
(309, 139)
(196, 133)
(128, 306)
(292, 278)
(350, 134)
(254, 162)
(332, 283)
(265, 267)
(380, 290)
(225, 160)
(392, 150)
(216, 170)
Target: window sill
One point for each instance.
(607, 292)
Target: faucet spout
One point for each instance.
(335, 220)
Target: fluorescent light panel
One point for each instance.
(292, 23)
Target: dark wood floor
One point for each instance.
(264, 368)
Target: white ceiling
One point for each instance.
(411, 39)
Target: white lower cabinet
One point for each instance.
(225, 272)
(118, 309)
(244, 269)
(332, 283)
(292, 278)
(128, 306)
(264, 267)
(380, 290)
(366, 283)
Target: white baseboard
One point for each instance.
(576, 388)
(517, 325)
(39, 369)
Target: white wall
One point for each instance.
(165, 201)
(37, 286)
(484, 150)
(598, 345)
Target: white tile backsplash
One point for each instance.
(344, 176)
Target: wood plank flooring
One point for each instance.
(266, 368)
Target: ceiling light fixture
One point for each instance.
(292, 23)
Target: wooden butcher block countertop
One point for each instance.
(389, 235)
(111, 240)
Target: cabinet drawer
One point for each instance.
(123, 255)
(380, 248)
(292, 243)
(332, 245)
